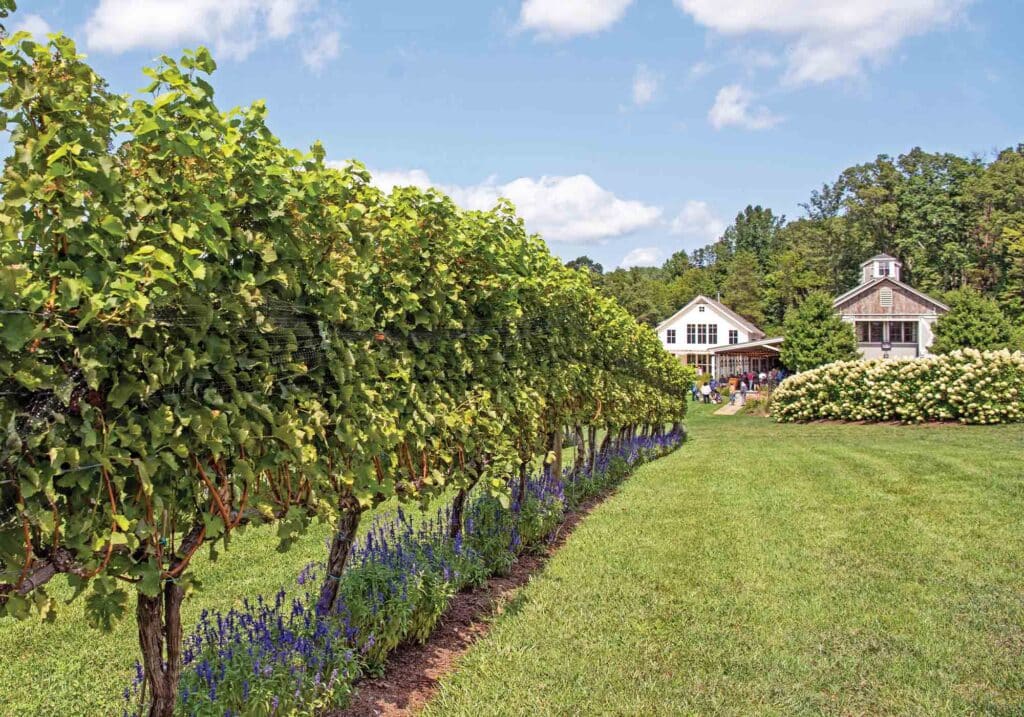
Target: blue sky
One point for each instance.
(622, 129)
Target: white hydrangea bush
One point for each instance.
(968, 386)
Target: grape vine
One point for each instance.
(202, 329)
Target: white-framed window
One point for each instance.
(670, 336)
(691, 333)
(734, 336)
(712, 334)
(701, 308)
(702, 333)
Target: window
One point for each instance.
(869, 332)
(701, 334)
(883, 268)
(701, 361)
(903, 332)
(910, 332)
(734, 336)
(670, 336)
(701, 308)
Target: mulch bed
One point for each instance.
(413, 671)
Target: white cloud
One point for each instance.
(399, 178)
(318, 53)
(752, 60)
(641, 256)
(645, 85)
(554, 19)
(33, 24)
(283, 16)
(700, 68)
(826, 39)
(698, 223)
(233, 28)
(734, 108)
(573, 208)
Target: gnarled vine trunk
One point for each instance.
(556, 449)
(521, 495)
(592, 453)
(341, 545)
(459, 503)
(459, 510)
(609, 438)
(581, 451)
(159, 621)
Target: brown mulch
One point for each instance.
(413, 671)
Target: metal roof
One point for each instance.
(770, 343)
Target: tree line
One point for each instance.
(957, 224)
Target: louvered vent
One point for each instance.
(885, 297)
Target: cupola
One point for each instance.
(879, 266)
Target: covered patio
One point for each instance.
(757, 356)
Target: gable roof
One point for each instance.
(860, 289)
(718, 306)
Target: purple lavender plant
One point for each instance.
(272, 655)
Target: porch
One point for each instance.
(757, 356)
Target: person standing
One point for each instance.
(705, 391)
(743, 393)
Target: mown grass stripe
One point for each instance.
(778, 570)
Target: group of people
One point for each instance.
(740, 384)
(757, 381)
(708, 392)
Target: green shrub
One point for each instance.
(974, 321)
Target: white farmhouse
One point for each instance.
(701, 325)
(892, 319)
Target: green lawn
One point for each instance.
(778, 569)
(67, 668)
(762, 568)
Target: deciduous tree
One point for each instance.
(815, 335)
